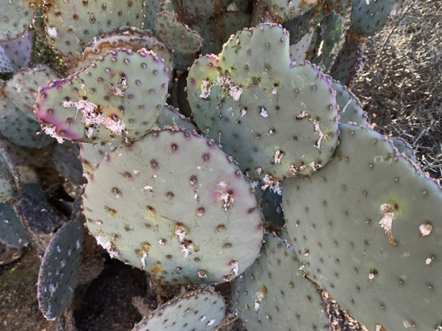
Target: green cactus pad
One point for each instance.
(331, 39)
(370, 17)
(169, 118)
(15, 18)
(277, 120)
(22, 88)
(116, 98)
(151, 10)
(71, 25)
(283, 10)
(5, 62)
(368, 228)
(274, 294)
(19, 50)
(349, 62)
(176, 35)
(67, 163)
(12, 232)
(92, 154)
(9, 176)
(298, 51)
(59, 269)
(200, 310)
(18, 128)
(350, 109)
(404, 148)
(129, 38)
(176, 207)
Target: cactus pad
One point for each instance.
(15, 18)
(350, 109)
(283, 10)
(274, 294)
(176, 35)
(59, 268)
(12, 232)
(277, 120)
(5, 62)
(71, 25)
(117, 97)
(19, 50)
(200, 310)
(129, 38)
(18, 128)
(177, 207)
(374, 248)
(21, 89)
(369, 17)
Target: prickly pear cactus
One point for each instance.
(19, 50)
(59, 268)
(21, 89)
(117, 97)
(369, 17)
(19, 128)
(177, 207)
(129, 38)
(277, 120)
(200, 310)
(9, 176)
(350, 108)
(176, 35)
(15, 18)
(287, 10)
(276, 282)
(70, 25)
(12, 232)
(372, 247)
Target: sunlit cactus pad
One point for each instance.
(58, 272)
(117, 97)
(375, 248)
(201, 310)
(276, 119)
(274, 294)
(176, 207)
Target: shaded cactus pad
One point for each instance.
(372, 247)
(59, 268)
(274, 294)
(201, 310)
(176, 207)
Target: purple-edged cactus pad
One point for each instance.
(117, 97)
